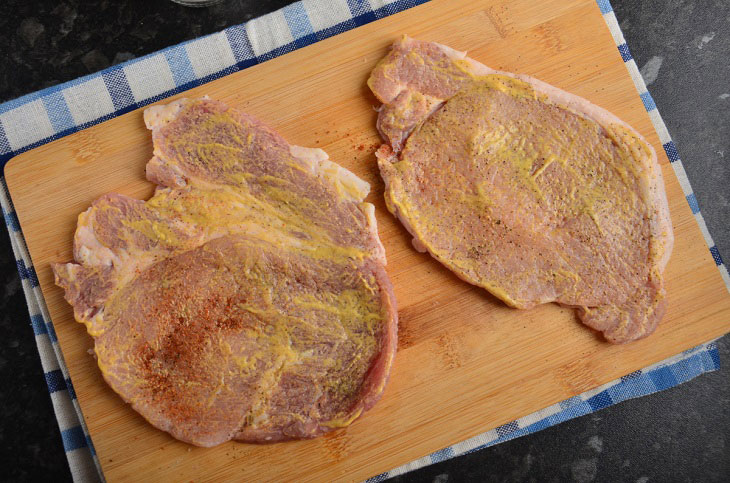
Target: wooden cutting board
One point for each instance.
(466, 363)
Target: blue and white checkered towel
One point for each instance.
(52, 113)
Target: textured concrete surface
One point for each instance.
(682, 48)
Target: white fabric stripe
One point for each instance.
(657, 120)
(376, 4)
(612, 22)
(413, 465)
(539, 415)
(82, 466)
(636, 76)
(210, 54)
(48, 356)
(268, 32)
(88, 101)
(590, 393)
(149, 77)
(323, 15)
(64, 410)
(476, 441)
(703, 227)
(26, 124)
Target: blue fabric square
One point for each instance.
(180, 66)
(70, 387)
(298, 20)
(358, 7)
(508, 428)
(605, 6)
(671, 151)
(694, 206)
(51, 333)
(119, 90)
(73, 438)
(442, 454)
(39, 325)
(11, 221)
(55, 381)
(625, 53)
(574, 411)
(687, 369)
(716, 255)
(631, 375)
(27, 273)
(570, 402)
(648, 101)
(538, 426)
(240, 45)
(90, 444)
(58, 112)
(4, 144)
(630, 388)
(377, 478)
(663, 378)
(600, 401)
(715, 357)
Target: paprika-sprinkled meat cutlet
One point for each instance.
(523, 189)
(247, 299)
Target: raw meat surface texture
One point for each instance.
(523, 189)
(247, 299)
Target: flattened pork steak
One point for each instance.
(523, 189)
(247, 299)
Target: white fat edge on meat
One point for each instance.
(350, 186)
(368, 210)
(389, 158)
(654, 192)
(88, 250)
(161, 114)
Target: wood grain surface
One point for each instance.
(466, 362)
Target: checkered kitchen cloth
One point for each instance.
(43, 116)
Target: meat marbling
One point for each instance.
(247, 299)
(523, 189)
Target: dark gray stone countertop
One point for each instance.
(683, 50)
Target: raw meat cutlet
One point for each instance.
(247, 299)
(523, 189)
